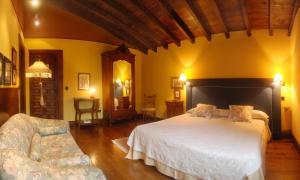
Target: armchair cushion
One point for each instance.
(24, 154)
(58, 146)
(79, 173)
(14, 165)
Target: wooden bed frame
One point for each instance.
(258, 92)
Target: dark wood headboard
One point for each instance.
(257, 92)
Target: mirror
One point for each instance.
(122, 82)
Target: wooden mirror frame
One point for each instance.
(131, 62)
(121, 53)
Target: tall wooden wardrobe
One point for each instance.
(118, 84)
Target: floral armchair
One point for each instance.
(35, 148)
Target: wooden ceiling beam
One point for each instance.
(244, 11)
(197, 12)
(221, 17)
(270, 7)
(136, 21)
(72, 8)
(100, 11)
(295, 9)
(153, 18)
(179, 22)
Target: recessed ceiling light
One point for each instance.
(35, 3)
(37, 23)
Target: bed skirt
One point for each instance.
(177, 174)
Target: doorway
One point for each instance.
(52, 87)
(22, 75)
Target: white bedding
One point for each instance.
(206, 148)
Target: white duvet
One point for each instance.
(206, 148)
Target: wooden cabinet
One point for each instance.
(118, 92)
(174, 108)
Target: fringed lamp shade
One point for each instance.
(38, 69)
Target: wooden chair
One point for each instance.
(149, 107)
(94, 110)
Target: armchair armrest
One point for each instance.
(53, 123)
(50, 126)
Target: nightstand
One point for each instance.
(174, 108)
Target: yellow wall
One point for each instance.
(258, 56)
(9, 29)
(80, 56)
(295, 78)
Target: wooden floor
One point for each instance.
(282, 160)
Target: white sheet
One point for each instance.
(206, 148)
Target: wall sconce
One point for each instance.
(182, 77)
(92, 92)
(278, 80)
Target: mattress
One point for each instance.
(186, 147)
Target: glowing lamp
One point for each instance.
(37, 23)
(118, 80)
(35, 3)
(92, 92)
(278, 79)
(39, 70)
(182, 77)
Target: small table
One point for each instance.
(93, 110)
(174, 108)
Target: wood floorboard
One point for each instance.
(282, 158)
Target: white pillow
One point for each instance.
(221, 113)
(257, 114)
(191, 110)
(204, 110)
(240, 113)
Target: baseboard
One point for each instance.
(287, 134)
(296, 143)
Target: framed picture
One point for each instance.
(7, 71)
(175, 83)
(177, 94)
(84, 81)
(1, 69)
(14, 57)
(14, 76)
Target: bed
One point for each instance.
(186, 147)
